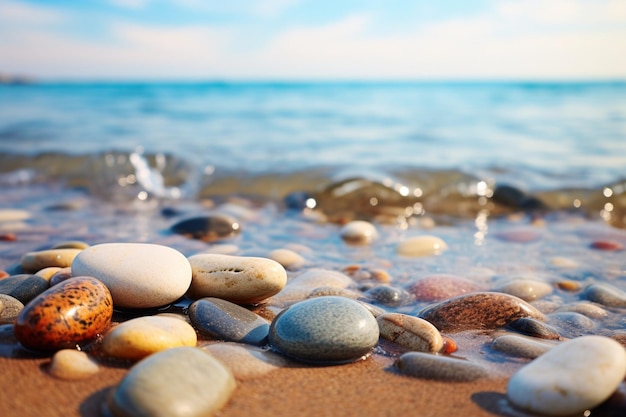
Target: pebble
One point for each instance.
(324, 330)
(341, 292)
(139, 275)
(35, 261)
(61, 275)
(208, 228)
(477, 311)
(535, 328)
(526, 289)
(287, 258)
(358, 232)
(48, 273)
(72, 364)
(246, 361)
(421, 246)
(520, 346)
(240, 279)
(564, 262)
(10, 308)
(440, 287)
(71, 244)
(13, 215)
(178, 382)
(519, 235)
(23, 287)
(571, 324)
(221, 319)
(607, 245)
(142, 336)
(591, 310)
(605, 294)
(302, 286)
(410, 332)
(440, 368)
(388, 296)
(71, 313)
(570, 378)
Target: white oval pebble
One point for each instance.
(12, 215)
(301, 286)
(526, 289)
(421, 246)
(572, 377)
(358, 232)
(137, 338)
(138, 275)
(238, 279)
(287, 258)
(35, 261)
(72, 364)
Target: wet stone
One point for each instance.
(221, 319)
(139, 275)
(72, 364)
(208, 228)
(71, 313)
(301, 286)
(421, 246)
(340, 292)
(607, 245)
(519, 235)
(358, 232)
(526, 289)
(591, 310)
(535, 328)
(23, 287)
(178, 382)
(439, 368)
(139, 337)
(287, 258)
(239, 279)
(71, 244)
(10, 308)
(571, 324)
(410, 332)
(324, 330)
(477, 311)
(35, 261)
(606, 295)
(246, 361)
(520, 346)
(61, 275)
(388, 296)
(440, 287)
(570, 378)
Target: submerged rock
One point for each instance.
(208, 228)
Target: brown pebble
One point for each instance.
(608, 245)
(570, 286)
(8, 237)
(71, 313)
(440, 287)
(478, 311)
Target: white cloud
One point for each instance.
(130, 4)
(16, 13)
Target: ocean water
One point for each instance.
(182, 140)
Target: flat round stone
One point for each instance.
(137, 338)
(324, 330)
(421, 246)
(178, 382)
(23, 287)
(10, 308)
(358, 232)
(521, 346)
(240, 279)
(35, 261)
(410, 332)
(227, 321)
(208, 228)
(570, 378)
(605, 294)
(439, 368)
(139, 275)
(478, 311)
(526, 289)
(287, 258)
(71, 313)
(72, 364)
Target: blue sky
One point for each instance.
(314, 39)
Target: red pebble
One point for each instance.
(449, 345)
(71, 313)
(607, 245)
(8, 237)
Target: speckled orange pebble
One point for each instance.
(71, 313)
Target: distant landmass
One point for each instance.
(15, 79)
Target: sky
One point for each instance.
(314, 39)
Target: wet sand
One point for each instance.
(365, 388)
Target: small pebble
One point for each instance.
(564, 262)
(178, 382)
(325, 330)
(605, 294)
(567, 285)
(221, 319)
(388, 296)
(519, 235)
(48, 273)
(439, 368)
(570, 378)
(10, 308)
(591, 310)
(410, 332)
(61, 275)
(208, 228)
(526, 289)
(340, 292)
(571, 324)
(35, 261)
(421, 246)
(142, 336)
(440, 287)
(521, 347)
(535, 328)
(71, 244)
(358, 232)
(287, 258)
(607, 245)
(13, 215)
(71, 313)
(240, 279)
(476, 311)
(72, 364)
(139, 275)
(301, 286)
(246, 361)
(24, 287)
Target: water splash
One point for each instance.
(152, 179)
